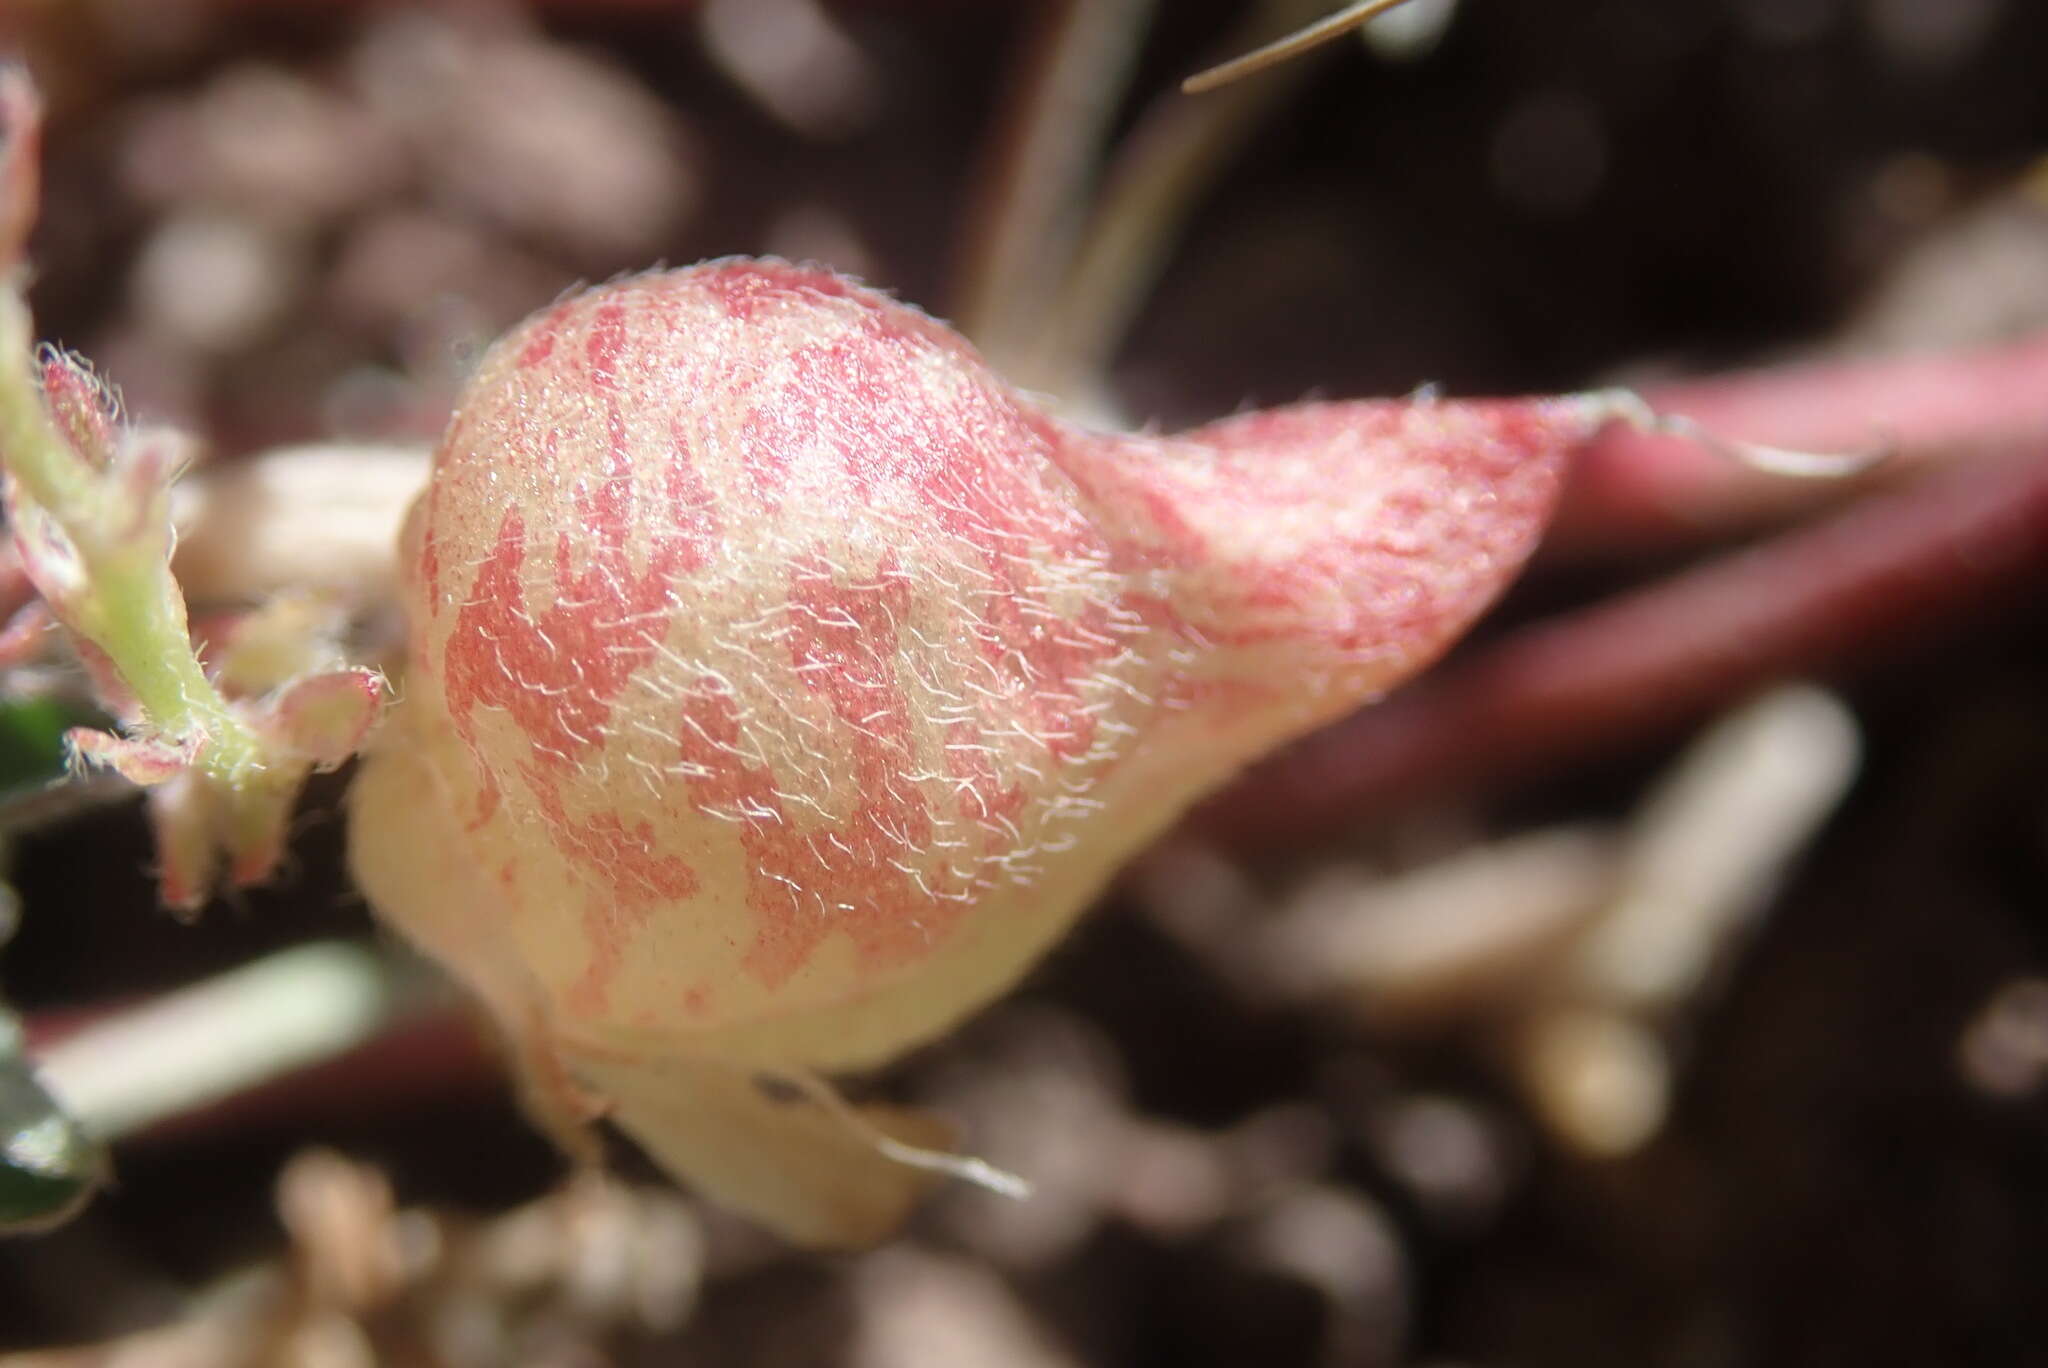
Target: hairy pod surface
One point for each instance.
(782, 684)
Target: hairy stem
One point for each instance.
(121, 597)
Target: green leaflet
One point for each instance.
(49, 1166)
(32, 741)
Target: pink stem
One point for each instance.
(1631, 489)
(1881, 572)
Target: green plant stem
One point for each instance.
(126, 604)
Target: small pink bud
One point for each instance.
(792, 683)
(107, 685)
(147, 461)
(81, 406)
(182, 819)
(326, 717)
(44, 553)
(141, 760)
(24, 635)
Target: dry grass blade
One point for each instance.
(1300, 41)
(1035, 190)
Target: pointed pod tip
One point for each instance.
(1360, 535)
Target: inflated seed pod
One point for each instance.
(782, 685)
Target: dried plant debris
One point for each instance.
(369, 1283)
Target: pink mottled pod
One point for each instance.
(782, 685)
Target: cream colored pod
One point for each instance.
(782, 685)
